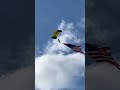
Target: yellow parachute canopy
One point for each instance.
(56, 33)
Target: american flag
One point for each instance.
(74, 48)
(100, 54)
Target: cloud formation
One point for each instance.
(57, 68)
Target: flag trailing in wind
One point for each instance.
(74, 48)
(100, 54)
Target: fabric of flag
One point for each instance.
(74, 48)
(100, 54)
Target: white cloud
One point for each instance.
(57, 68)
(102, 76)
(81, 24)
(37, 51)
(58, 71)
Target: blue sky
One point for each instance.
(49, 13)
(67, 15)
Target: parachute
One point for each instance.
(56, 33)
